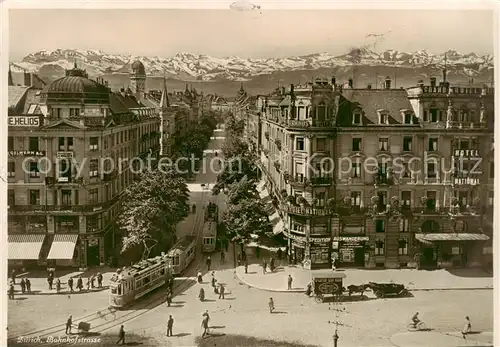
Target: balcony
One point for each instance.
(382, 179)
(297, 180)
(351, 210)
(307, 211)
(321, 180)
(430, 210)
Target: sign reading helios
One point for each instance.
(22, 121)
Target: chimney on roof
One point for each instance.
(433, 82)
(27, 79)
(369, 86)
(388, 82)
(351, 83)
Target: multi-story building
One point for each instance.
(363, 175)
(65, 179)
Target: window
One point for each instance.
(462, 197)
(490, 198)
(460, 226)
(463, 144)
(464, 115)
(492, 169)
(33, 144)
(70, 143)
(404, 225)
(321, 199)
(356, 144)
(11, 197)
(299, 146)
(112, 140)
(61, 144)
(94, 143)
(433, 145)
(383, 118)
(356, 118)
(93, 196)
(380, 226)
(320, 144)
(434, 115)
(356, 199)
(403, 247)
(10, 145)
(175, 260)
(93, 167)
(379, 247)
(406, 170)
(34, 171)
(407, 142)
(121, 137)
(11, 172)
(431, 170)
(407, 118)
(74, 112)
(406, 198)
(431, 200)
(383, 144)
(356, 170)
(34, 197)
(105, 142)
(66, 197)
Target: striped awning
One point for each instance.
(25, 246)
(451, 237)
(63, 246)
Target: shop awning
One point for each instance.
(63, 246)
(25, 246)
(278, 228)
(426, 238)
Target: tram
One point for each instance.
(130, 283)
(209, 231)
(182, 254)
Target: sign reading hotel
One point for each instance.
(24, 121)
(471, 153)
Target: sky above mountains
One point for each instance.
(252, 34)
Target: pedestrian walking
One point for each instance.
(264, 267)
(467, 327)
(79, 283)
(204, 325)
(290, 280)
(58, 285)
(88, 283)
(69, 323)
(169, 298)
(209, 263)
(171, 285)
(205, 314)
(92, 281)
(23, 285)
(11, 291)
(271, 305)
(121, 336)
(99, 280)
(246, 266)
(213, 280)
(70, 284)
(271, 265)
(222, 257)
(279, 254)
(50, 279)
(13, 276)
(28, 285)
(170, 325)
(221, 291)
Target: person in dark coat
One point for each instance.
(221, 292)
(209, 263)
(79, 283)
(246, 266)
(222, 257)
(204, 325)
(69, 323)
(121, 336)
(279, 254)
(92, 281)
(290, 280)
(58, 285)
(23, 285)
(11, 291)
(13, 276)
(264, 267)
(50, 279)
(99, 280)
(70, 284)
(28, 285)
(169, 298)
(170, 325)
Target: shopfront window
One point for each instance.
(379, 247)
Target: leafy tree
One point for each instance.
(234, 171)
(245, 189)
(152, 207)
(247, 217)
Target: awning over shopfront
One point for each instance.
(25, 246)
(63, 246)
(426, 238)
(278, 228)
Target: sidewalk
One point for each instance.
(40, 286)
(442, 339)
(463, 279)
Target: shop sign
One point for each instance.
(328, 285)
(24, 121)
(351, 238)
(471, 153)
(466, 181)
(27, 153)
(64, 155)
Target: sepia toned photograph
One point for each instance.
(249, 176)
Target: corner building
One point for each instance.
(405, 190)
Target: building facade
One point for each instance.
(65, 176)
(379, 177)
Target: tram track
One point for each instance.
(131, 314)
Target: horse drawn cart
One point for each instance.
(382, 290)
(327, 284)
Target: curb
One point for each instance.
(409, 289)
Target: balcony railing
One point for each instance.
(64, 208)
(321, 180)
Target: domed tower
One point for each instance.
(138, 79)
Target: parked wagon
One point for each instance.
(382, 290)
(83, 327)
(327, 284)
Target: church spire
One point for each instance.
(11, 80)
(164, 95)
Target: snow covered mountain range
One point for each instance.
(188, 66)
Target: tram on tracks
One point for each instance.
(209, 232)
(182, 254)
(130, 283)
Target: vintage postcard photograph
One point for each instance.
(249, 176)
